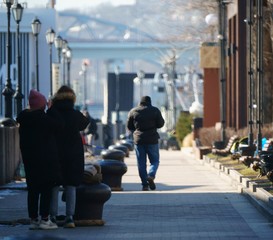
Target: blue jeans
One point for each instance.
(70, 199)
(142, 151)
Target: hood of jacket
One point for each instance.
(64, 100)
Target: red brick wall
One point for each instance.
(211, 97)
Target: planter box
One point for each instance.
(257, 184)
(268, 196)
(236, 175)
(246, 180)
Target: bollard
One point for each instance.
(112, 172)
(9, 150)
(120, 147)
(114, 154)
(90, 199)
(129, 144)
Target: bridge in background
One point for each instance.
(95, 38)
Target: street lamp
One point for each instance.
(50, 35)
(58, 45)
(140, 75)
(212, 21)
(8, 91)
(36, 27)
(17, 12)
(68, 58)
(117, 72)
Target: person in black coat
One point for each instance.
(143, 121)
(71, 151)
(40, 157)
(91, 130)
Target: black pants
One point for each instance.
(39, 196)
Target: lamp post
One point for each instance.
(68, 58)
(222, 42)
(36, 27)
(140, 75)
(50, 35)
(17, 12)
(84, 70)
(249, 22)
(58, 42)
(173, 84)
(64, 48)
(260, 72)
(8, 91)
(117, 72)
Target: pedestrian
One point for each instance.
(40, 157)
(71, 152)
(91, 130)
(143, 121)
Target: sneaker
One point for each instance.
(145, 188)
(47, 224)
(53, 220)
(34, 224)
(151, 183)
(69, 223)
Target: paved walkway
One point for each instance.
(190, 202)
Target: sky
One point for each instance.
(78, 4)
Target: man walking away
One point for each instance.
(143, 121)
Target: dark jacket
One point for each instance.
(91, 127)
(38, 145)
(69, 140)
(143, 121)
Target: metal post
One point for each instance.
(117, 108)
(249, 21)
(173, 63)
(117, 96)
(140, 88)
(64, 49)
(8, 91)
(50, 69)
(222, 40)
(68, 59)
(68, 73)
(37, 63)
(36, 27)
(17, 12)
(58, 44)
(64, 82)
(18, 94)
(85, 87)
(259, 72)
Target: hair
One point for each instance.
(65, 92)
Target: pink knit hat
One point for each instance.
(36, 100)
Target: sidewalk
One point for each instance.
(191, 202)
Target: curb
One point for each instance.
(253, 191)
